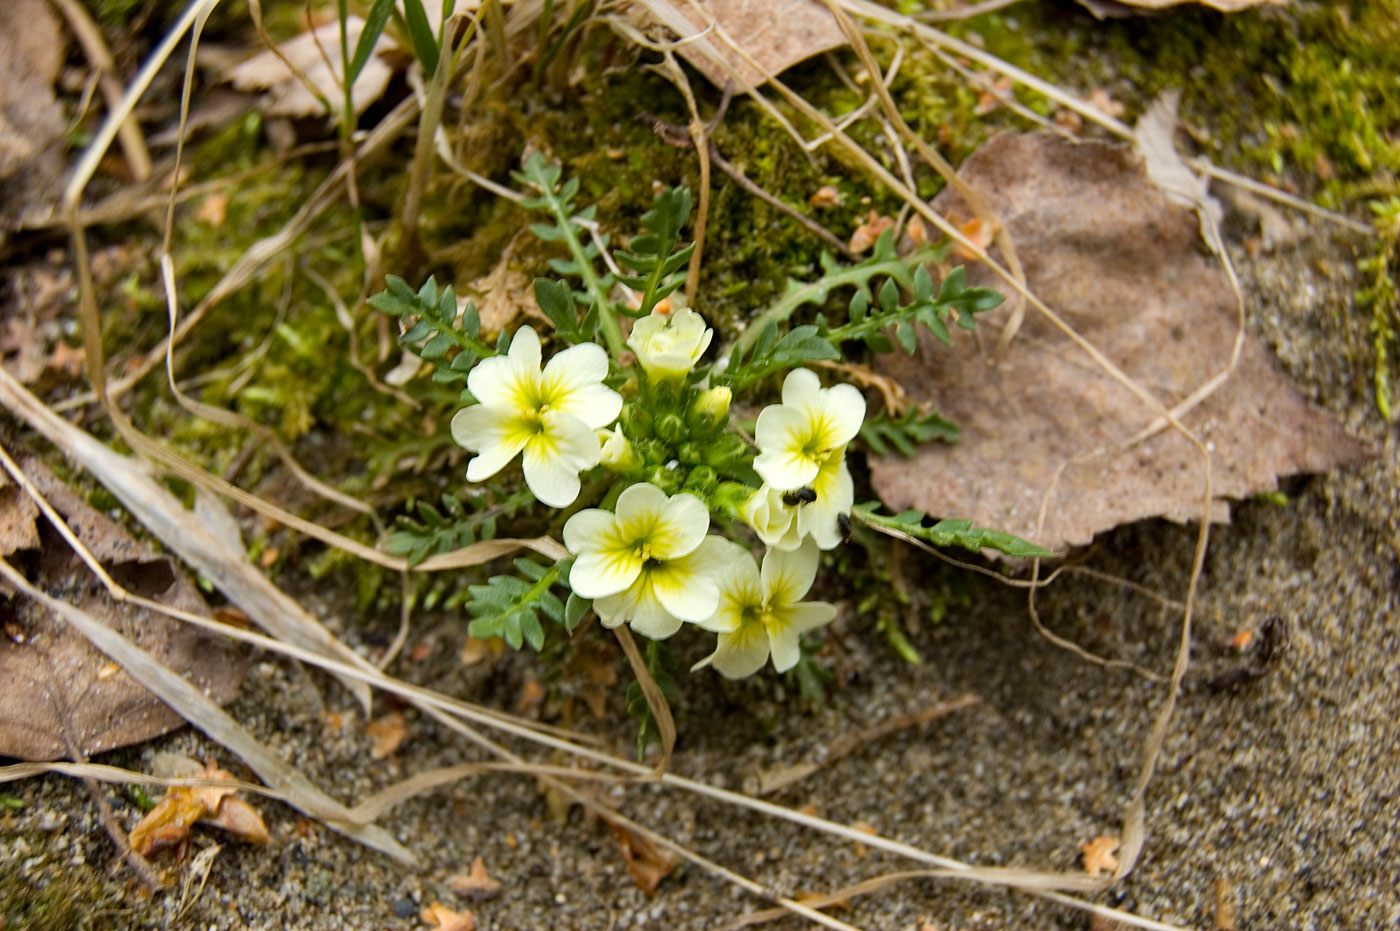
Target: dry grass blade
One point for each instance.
(177, 528)
(214, 721)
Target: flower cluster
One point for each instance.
(629, 430)
(650, 560)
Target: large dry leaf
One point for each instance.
(317, 55)
(31, 121)
(1113, 9)
(1124, 266)
(776, 34)
(58, 687)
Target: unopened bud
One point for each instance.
(618, 454)
(701, 481)
(709, 412)
(670, 427)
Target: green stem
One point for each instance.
(607, 314)
(816, 292)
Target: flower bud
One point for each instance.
(618, 454)
(729, 499)
(665, 477)
(669, 346)
(636, 420)
(726, 452)
(691, 452)
(701, 481)
(670, 428)
(709, 412)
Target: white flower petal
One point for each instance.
(787, 575)
(554, 457)
(648, 617)
(773, 521)
(612, 609)
(786, 627)
(591, 529)
(835, 495)
(742, 652)
(679, 528)
(638, 508)
(597, 575)
(595, 405)
(844, 407)
(489, 432)
(686, 587)
(801, 389)
(524, 352)
(605, 564)
(551, 481)
(496, 383)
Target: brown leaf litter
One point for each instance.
(57, 699)
(316, 54)
(775, 34)
(1123, 265)
(32, 124)
(1114, 9)
(478, 884)
(169, 824)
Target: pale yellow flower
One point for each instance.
(668, 346)
(549, 415)
(761, 613)
(649, 564)
(808, 430)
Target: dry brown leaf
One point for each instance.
(648, 863)
(826, 196)
(1114, 9)
(1122, 264)
(169, 823)
(70, 360)
(241, 820)
(386, 733)
(1098, 855)
(445, 919)
(53, 687)
(31, 121)
(776, 34)
(865, 235)
(18, 513)
(317, 55)
(214, 209)
(477, 884)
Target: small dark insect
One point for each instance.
(1273, 641)
(843, 524)
(799, 496)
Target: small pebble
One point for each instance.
(405, 908)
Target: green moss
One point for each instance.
(47, 896)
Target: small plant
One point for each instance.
(631, 436)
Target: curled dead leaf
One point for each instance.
(774, 35)
(865, 235)
(1099, 855)
(648, 863)
(478, 884)
(445, 919)
(386, 733)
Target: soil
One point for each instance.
(1274, 800)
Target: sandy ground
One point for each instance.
(1275, 802)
